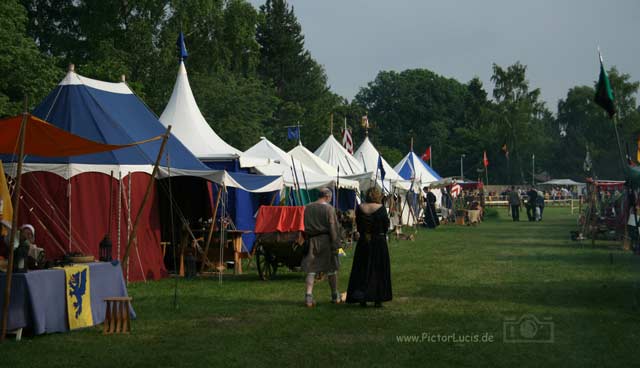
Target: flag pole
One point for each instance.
(14, 221)
(331, 124)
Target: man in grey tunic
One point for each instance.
(322, 235)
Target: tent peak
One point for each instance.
(71, 68)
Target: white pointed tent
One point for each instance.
(269, 159)
(368, 156)
(333, 153)
(315, 163)
(188, 124)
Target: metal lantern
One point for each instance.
(105, 249)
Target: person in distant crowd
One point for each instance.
(532, 197)
(322, 234)
(514, 203)
(446, 203)
(370, 279)
(539, 205)
(430, 215)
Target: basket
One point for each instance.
(82, 259)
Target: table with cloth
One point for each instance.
(38, 298)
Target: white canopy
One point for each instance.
(561, 182)
(368, 155)
(190, 127)
(333, 153)
(413, 167)
(315, 163)
(269, 159)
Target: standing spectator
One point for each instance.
(514, 203)
(532, 196)
(539, 205)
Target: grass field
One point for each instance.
(453, 280)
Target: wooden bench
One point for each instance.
(117, 319)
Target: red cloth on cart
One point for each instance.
(280, 218)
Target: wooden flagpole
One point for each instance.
(14, 222)
(132, 235)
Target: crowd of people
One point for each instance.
(533, 200)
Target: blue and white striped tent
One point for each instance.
(411, 167)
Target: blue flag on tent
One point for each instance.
(293, 132)
(182, 48)
(381, 168)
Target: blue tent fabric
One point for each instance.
(110, 117)
(412, 164)
(242, 205)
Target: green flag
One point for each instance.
(604, 93)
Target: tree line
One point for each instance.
(253, 76)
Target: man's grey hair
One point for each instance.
(325, 193)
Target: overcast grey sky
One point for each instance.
(355, 39)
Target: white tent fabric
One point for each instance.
(333, 153)
(315, 163)
(67, 171)
(562, 182)
(188, 124)
(269, 159)
(368, 155)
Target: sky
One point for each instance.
(556, 39)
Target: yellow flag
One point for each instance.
(6, 208)
(78, 296)
(638, 154)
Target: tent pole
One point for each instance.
(14, 222)
(132, 236)
(130, 175)
(119, 211)
(212, 228)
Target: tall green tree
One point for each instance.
(522, 117)
(24, 71)
(299, 81)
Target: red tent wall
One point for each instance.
(46, 202)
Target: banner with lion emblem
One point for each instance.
(78, 289)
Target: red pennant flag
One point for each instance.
(485, 161)
(427, 154)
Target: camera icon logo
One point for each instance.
(528, 328)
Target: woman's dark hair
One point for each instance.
(373, 195)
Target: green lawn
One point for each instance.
(453, 280)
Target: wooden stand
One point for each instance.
(236, 238)
(117, 319)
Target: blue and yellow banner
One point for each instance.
(78, 290)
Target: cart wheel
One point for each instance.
(266, 264)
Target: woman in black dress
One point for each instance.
(430, 215)
(370, 279)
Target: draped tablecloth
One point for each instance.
(38, 299)
(279, 218)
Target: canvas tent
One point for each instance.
(411, 167)
(333, 153)
(69, 197)
(309, 160)
(189, 125)
(183, 114)
(368, 156)
(269, 159)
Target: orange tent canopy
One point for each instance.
(47, 140)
